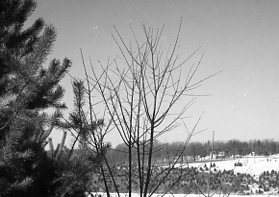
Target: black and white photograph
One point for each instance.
(139, 98)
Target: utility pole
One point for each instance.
(211, 157)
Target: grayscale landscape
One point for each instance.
(139, 98)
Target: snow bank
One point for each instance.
(180, 195)
(250, 165)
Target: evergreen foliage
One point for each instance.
(27, 88)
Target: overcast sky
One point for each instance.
(238, 37)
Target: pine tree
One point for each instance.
(27, 89)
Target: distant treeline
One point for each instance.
(194, 150)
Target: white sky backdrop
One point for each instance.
(239, 38)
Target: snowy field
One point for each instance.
(250, 165)
(183, 195)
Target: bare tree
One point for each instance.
(145, 94)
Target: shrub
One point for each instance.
(238, 164)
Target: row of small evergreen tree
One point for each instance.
(29, 87)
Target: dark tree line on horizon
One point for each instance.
(230, 148)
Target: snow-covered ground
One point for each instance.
(251, 165)
(182, 195)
